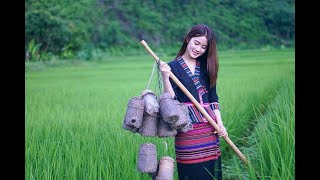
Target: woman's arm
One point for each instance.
(223, 130)
(213, 98)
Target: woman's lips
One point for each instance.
(195, 53)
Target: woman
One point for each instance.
(196, 66)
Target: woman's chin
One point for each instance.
(194, 56)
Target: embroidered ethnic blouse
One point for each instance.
(198, 85)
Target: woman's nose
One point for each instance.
(198, 48)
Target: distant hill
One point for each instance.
(60, 26)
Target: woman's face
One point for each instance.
(196, 46)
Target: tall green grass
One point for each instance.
(271, 146)
(74, 113)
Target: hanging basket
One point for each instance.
(150, 102)
(149, 125)
(183, 120)
(168, 108)
(164, 129)
(134, 113)
(166, 168)
(147, 159)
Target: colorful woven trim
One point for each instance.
(195, 77)
(215, 105)
(195, 116)
(197, 145)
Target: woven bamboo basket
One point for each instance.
(149, 125)
(168, 108)
(147, 159)
(151, 103)
(166, 168)
(134, 113)
(164, 129)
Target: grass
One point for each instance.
(75, 111)
(271, 146)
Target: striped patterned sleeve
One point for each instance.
(214, 105)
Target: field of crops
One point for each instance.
(74, 116)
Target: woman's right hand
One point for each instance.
(165, 69)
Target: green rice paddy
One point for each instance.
(74, 114)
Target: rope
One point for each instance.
(166, 146)
(159, 78)
(158, 89)
(151, 76)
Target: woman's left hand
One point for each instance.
(223, 131)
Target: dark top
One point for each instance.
(210, 95)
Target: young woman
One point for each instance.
(196, 66)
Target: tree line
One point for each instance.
(75, 28)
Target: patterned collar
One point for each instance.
(194, 77)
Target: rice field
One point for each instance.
(74, 114)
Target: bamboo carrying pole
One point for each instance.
(195, 102)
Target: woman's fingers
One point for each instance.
(223, 132)
(164, 66)
(165, 69)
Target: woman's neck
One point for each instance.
(187, 58)
(191, 62)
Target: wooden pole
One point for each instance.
(195, 102)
